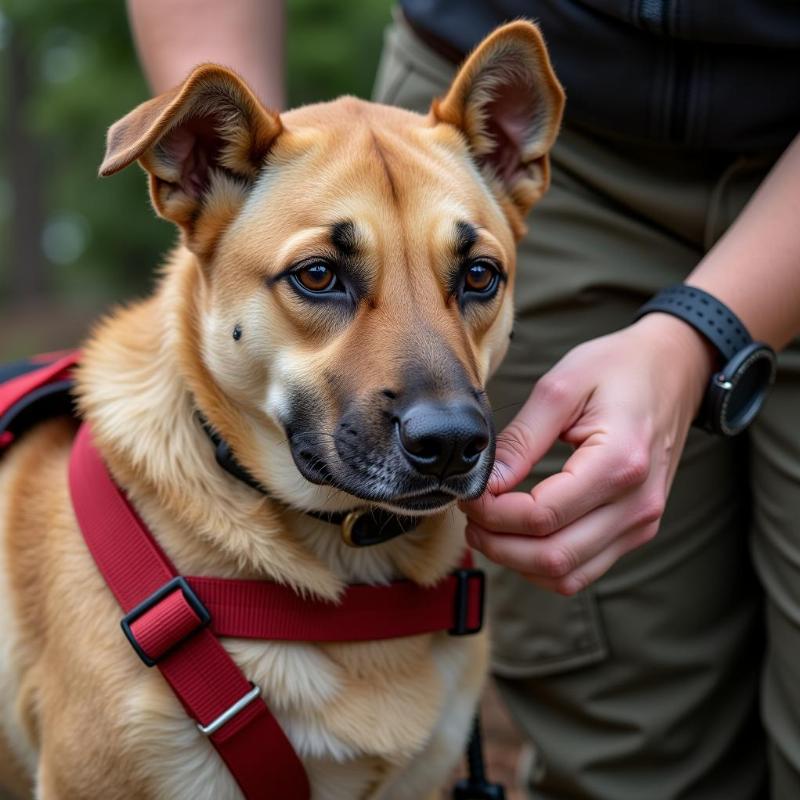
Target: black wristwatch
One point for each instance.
(737, 392)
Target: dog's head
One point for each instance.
(356, 265)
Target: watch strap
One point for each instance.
(703, 312)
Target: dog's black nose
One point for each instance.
(443, 440)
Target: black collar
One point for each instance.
(360, 527)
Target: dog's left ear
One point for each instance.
(508, 102)
(203, 144)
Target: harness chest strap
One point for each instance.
(172, 623)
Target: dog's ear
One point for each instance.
(508, 102)
(203, 143)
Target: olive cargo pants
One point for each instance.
(654, 683)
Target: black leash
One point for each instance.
(477, 786)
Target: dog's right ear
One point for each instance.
(203, 144)
(508, 103)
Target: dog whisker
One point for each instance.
(518, 404)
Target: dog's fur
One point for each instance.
(253, 193)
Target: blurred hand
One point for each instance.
(625, 401)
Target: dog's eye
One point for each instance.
(316, 277)
(481, 277)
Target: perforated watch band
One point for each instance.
(705, 313)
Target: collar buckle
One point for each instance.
(349, 529)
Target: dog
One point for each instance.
(340, 295)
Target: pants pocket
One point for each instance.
(535, 632)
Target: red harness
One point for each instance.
(173, 622)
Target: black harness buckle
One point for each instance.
(469, 602)
(178, 583)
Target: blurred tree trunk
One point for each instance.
(27, 278)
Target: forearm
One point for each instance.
(755, 267)
(172, 36)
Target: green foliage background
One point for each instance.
(102, 237)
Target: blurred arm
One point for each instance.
(172, 36)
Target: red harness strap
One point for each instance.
(194, 663)
(171, 622)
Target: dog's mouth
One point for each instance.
(426, 502)
(386, 479)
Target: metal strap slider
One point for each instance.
(230, 713)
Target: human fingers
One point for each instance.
(571, 549)
(586, 574)
(606, 466)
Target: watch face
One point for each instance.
(745, 380)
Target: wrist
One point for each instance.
(746, 368)
(680, 349)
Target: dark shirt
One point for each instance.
(704, 74)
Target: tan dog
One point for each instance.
(341, 295)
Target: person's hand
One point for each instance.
(625, 401)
